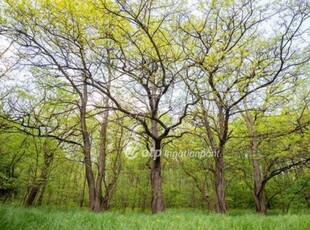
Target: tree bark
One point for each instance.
(40, 199)
(156, 180)
(106, 203)
(40, 183)
(99, 200)
(221, 134)
(259, 201)
(87, 148)
(220, 184)
(31, 195)
(258, 188)
(89, 172)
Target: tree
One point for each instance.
(295, 157)
(231, 61)
(149, 67)
(66, 51)
(85, 82)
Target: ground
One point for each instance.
(18, 217)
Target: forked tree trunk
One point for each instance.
(87, 148)
(259, 201)
(99, 200)
(101, 203)
(105, 203)
(218, 151)
(97, 203)
(258, 189)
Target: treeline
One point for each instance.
(96, 94)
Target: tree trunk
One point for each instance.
(258, 189)
(156, 180)
(40, 183)
(221, 134)
(259, 201)
(105, 203)
(87, 154)
(220, 184)
(206, 199)
(87, 147)
(89, 175)
(40, 199)
(82, 194)
(31, 195)
(102, 159)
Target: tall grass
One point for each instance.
(18, 217)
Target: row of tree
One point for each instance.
(85, 82)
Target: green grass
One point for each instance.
(18, 217)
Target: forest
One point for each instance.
(151, 106)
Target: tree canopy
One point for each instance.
(155, 104)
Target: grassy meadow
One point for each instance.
(18, 217)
